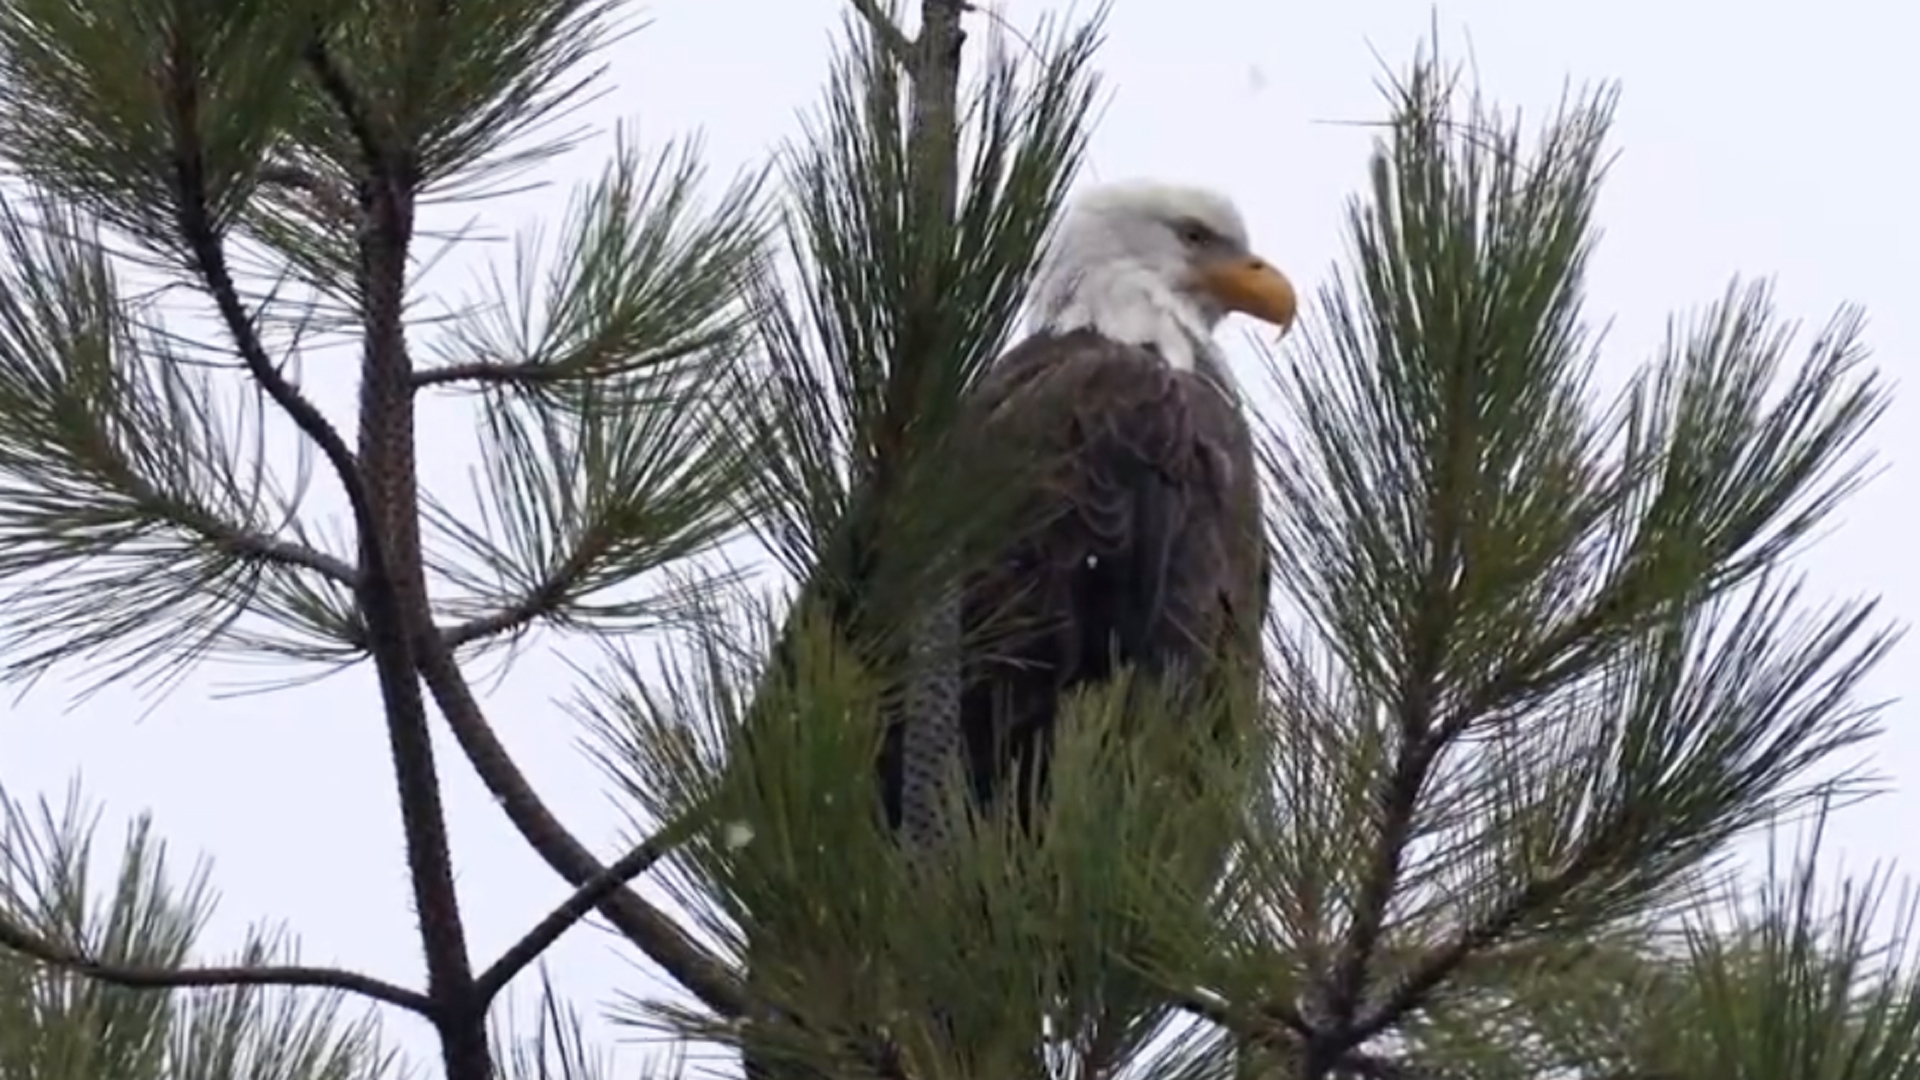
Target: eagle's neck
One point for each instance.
(1132, 305)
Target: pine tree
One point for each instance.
(1540, 658)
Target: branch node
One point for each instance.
(899, 47)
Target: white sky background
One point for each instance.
(1756, 138)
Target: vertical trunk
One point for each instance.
(394, 603)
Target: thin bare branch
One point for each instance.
(235, 540)
(900, 47)
(38, 948)
(561, 919)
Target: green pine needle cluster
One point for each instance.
(63, 1025)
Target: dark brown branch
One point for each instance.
(894, 40)
(46, 952)
(596, 361)
(561, 919)
(492, 373)
(393, 597)
(334, 83)
(463, 1029)
(387, 380)
(283, 553)
(234, 540)
(210, 259)
(683, 959)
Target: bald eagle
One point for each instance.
(1141, 540)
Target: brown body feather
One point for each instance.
(1138, 542)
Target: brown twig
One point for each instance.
(572, 910)
(209, 252)
(235, 540)
(593, 362)
(46, 952)
(544, 599)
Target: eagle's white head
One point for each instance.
(1156, 264)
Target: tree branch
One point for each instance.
(702, 974)
(210, 262)
(462, 1028)
(234, 539)
(894, 40)
(1297, 1034)
(38, 948)
(572, 910)
(393, 597)
(491, 373)
(592, 362)
(279, 552)
(267, 549)
(1537, 895)
(1419, 746)
(544, 599)
(1399, 802)
(333, 82)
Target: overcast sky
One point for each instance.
(1759, 138)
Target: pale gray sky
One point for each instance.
(1761, 138)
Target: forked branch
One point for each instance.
(657, 935)
(899, 47)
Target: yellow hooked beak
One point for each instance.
(1248, 285)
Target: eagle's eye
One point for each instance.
(1194, 234)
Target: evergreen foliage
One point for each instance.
(1541, 654)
